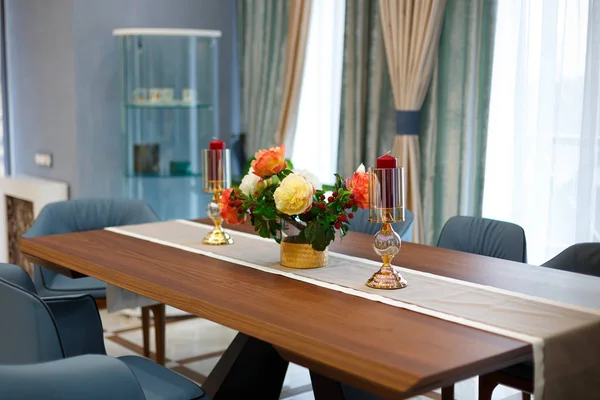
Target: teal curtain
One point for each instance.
(262, 33)
(455, 116)
(367, 116)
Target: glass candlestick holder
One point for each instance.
(216, 177)
(386, 206)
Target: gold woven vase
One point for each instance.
(301, 255)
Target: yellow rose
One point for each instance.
(294, 195)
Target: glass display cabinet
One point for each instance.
(169, 114)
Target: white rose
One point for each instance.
(248, 184)
(252, 184)
(312, 178)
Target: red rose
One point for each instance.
(359, 185)
(229, 212)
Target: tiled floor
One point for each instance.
(194, 346)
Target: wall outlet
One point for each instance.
(43, 160)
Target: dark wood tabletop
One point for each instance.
(383, 349)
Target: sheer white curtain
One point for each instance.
(543, 159)
(315, 144)
(2, 161)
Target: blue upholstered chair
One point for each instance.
(41, 330)
(360, 223)
(486, 237)
(581, 258)
(90, 377)
(85, 215)
(76, 216)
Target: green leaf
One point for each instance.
(310, 232)
(270, 213)
(302, 236)
(344, 229)
(274, 228)
(264, 231)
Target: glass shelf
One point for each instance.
(170, 109)
(170, 105)
(163, 176)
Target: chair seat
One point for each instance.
(522, 370)
(62, 285)
(160, 383)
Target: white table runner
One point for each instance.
(565, 338)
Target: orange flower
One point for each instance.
(269, 162)
(359, 185)
(228, 210)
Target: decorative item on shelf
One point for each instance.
(161, 95)
(166, 95)
(146, 159)
(180, 168)
(291, 207)
(140, 95)
(189, 96)
(155, 94)
(386, 205)
(216, 178)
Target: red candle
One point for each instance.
(216, 145)
(385, 178)
(386, 161)
(215, 169)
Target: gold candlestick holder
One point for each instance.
(386, 205)
(216, 177)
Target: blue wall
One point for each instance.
(41, 88)
(64, 81)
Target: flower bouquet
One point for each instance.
(276, 197)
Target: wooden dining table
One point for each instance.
(384, 350)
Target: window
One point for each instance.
(543, 161)
(2, 159)
(3, 124)
(315, 144)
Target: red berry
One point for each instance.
(344, 218)
(330, 199)
(352, 196)
(322, 197)
(338, 225)
(350, 215)
(231, 204)
(238, 203)
(252, 208)
(240, 210)
(335, 194)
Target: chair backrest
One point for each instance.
(17, 276)
(583, 258)
(486, 237)
(29, 333)
(360, 223)
(86, 215)
(90, 377)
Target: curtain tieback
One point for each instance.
(407, 122)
